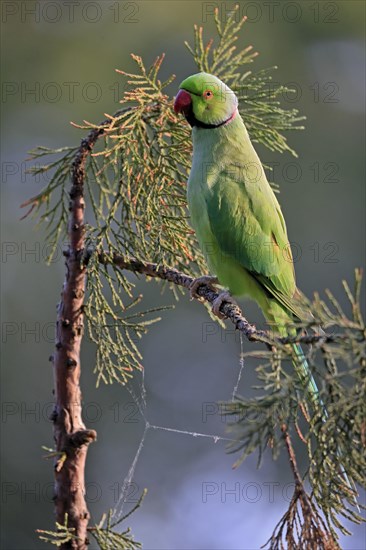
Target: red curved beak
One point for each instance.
(182, 102)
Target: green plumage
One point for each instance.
(237, 218)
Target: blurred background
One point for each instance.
(58, 61)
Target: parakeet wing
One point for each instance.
(247, 222)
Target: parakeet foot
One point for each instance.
(224, 296)
(196, 283)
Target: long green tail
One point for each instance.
(303, 370)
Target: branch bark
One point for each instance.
(71, 436)
(229, 310)
(302, 525)
(307, 528)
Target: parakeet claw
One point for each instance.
(224, 296)
(196, 283)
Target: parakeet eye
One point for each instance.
(208, 94)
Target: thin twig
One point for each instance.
(207, 293)
(301, 526)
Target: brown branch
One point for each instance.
(71, 436)
(302, 526)
(293, 462)
(229, 310)
(207, 293)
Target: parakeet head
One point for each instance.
(205, 101)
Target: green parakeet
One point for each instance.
(236, 215)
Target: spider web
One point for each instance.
(141, 403)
